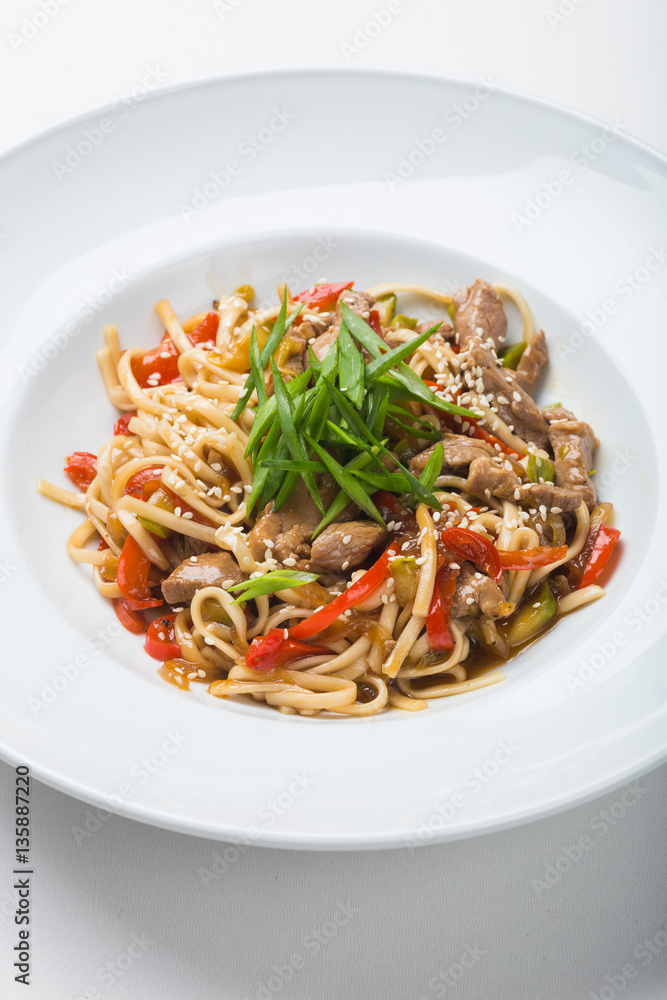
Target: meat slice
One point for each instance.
(533, 361)
(519, 411)
(489, 477)
(477, 592)
(553, 413)
(287, 532)
(574, 445)
(180, 547)
(210, 569)
(478, 312)
(359, 302)
(460, 450)
(345, 546)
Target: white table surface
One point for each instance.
(122, 910)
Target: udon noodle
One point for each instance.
(329, 507)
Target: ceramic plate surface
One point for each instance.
(297, 176)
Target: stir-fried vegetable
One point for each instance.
(535, 558)
(122, 424)
(274, 650)
(322, 297)
(540, 470)
(602, 548)
(385, 306)
(160, 640)
(271, 583)
(81, 468)
(132, 576)
(477, 548)
(263, 651)
(406, 576)
(532, 617)
(440, 612)
(131, 620)
(511, 356)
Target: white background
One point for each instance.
(406, 919)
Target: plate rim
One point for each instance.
(275, 837)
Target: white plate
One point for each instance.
(109, 214)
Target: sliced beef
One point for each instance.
(289, 530)
(477, 592)
(574, 445)
(478, 311)
(513, 403)
(346, 546)
(533, 361)
(180, 547)
(554, 413)
(494, 476)
(459, 451)
(359, 302)
(210, 569)
(489, 477)
(444, 332)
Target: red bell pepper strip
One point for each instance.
(161, 639)
(535, 558)
(132, 574)
(274, 650)
(375, 322)
(143, 605)
(391, 507)
(603, 546)
(440, 612)
(358, 592)
(129, 619)
(470, 545)
(121, 425)
(135, 485)
(322, 296)
(160, 365)
(266, 652)
(206, 332)
(81, 468)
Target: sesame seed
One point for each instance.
(191, 676)
(347, 539)
(516, 396)
(454, 565)
(177, 511)
(288, 562)
(285, 633)
(390, 526)
(345, 564)
(188, 514)
(420, 561)
(193, 559)
(556, 510)
(436, 516)
(385, 599)
(517, 493)
(201, 673)
(209, 642)
(216, 466)
(236, 489)
(404, 546)
(470, 600)
(227, 583)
